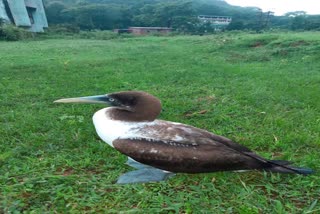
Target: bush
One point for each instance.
(65, 29)
(98, 34)
(13, 33)
(2, 21)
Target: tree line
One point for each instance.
(178, 14)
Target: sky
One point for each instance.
(280, 7)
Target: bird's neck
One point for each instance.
(137, 115)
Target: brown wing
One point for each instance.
(185, 157)
(167, 131)
(211, 138)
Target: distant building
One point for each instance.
(218, 22)
(149, 30)
(119, 31)
(144, 30)
(29, 14)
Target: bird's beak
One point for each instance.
(104, 99)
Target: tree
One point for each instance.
(178, 14)
(298, 22)
(54, 12)
(145, 16)
(297, 19)
(174, 14)
(296, 13)
(312, 22)
(2, 21)
(236, 25)
(99, 16)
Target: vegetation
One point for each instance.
(13, 33)
(73, 16)
(179, 14)
(261, 90)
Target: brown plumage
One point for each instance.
(196, 151)
(131, 127)
(135, 106)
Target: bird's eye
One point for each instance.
(111, 99)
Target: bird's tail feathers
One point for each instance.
(284, 167)
(280, 162)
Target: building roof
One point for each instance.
(212, 16)
(151, 28)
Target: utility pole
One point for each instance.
(269, 14)
(260, 20)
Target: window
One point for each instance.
(31, 11)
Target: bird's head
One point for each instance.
(127, 105)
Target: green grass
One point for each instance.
(260, 90)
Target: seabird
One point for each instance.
(159, 148)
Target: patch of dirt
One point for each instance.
(256, 45)
(299, 43)
(208, 99)
(65, 172)
(190, 114)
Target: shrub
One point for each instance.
(98, 34)
(13, 33)
(1, 22)
(65, 29)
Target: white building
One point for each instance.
(29, 14)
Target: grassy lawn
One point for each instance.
(260, 90)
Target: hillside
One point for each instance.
(178, 14)
(109, 14)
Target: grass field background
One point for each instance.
(261, 90)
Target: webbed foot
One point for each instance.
(144, 174)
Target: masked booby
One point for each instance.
(160, 147)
